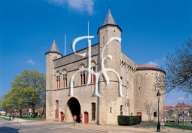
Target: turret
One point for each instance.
(109, 99)
(51, 55)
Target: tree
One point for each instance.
(30, 87)
(5, 103)
(179, 69)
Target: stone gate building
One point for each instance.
(137, 83)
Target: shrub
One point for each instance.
(128, 120)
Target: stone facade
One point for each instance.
(137, 83)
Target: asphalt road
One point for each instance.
(41, 127)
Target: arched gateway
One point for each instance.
(74, 107)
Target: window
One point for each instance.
(110, 109)
(82, 77)
(127, 102)
(93, 110)
(155, 114)
(64, 80)
(57, 81)
(82, 74)
(121, 110)
(92, 75)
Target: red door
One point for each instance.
(139, 114)
(86, 117)
(56, 113)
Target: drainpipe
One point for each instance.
(127, 112)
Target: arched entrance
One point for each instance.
(74, 107)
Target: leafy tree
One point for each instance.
(30, 89)
(179, 70)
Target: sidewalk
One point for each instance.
(140, 128)
(16, 119)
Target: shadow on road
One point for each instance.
(8, 130)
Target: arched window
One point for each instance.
(82, 75)
(57, 80)
(121, 110)
(93, 67)
(93, 105)
(64, 79)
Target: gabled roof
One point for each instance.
(183, 105)
(54, 47)
(109, 19)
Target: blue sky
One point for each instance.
(151, 30)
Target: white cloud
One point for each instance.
(152, 63)
(31, 62)
(180, 98)
(78, 5)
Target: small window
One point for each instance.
(82, 77)
(64, 80)
(58, 82)
(128, 102)
(121, 110)
(155, 114)
(139, 88)
(92, 75)
(110, 109)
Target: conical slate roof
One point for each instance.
(54, 47)
(109, 19)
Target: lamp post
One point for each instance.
(158, 124)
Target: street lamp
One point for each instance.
(158, 124)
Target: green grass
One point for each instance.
(30, 118)
(4, 118)
(178, 126)
(172, 125)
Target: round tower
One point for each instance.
(146, 87)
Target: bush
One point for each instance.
(128, 120)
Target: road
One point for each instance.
(42, 127)
(24, 126)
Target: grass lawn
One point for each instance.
(172, 125)
(4, 118)
(178, 126)
(30, 118)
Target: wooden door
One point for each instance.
(86, 117)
